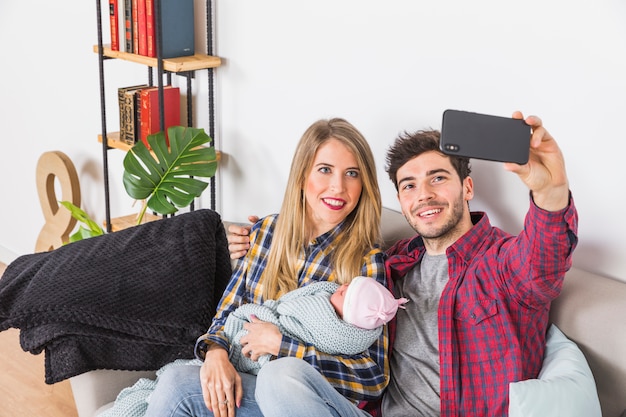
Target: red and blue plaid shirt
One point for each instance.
(493, 312)
(357, 377)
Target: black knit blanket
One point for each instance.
(134, 299)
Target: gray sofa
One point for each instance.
(591, 311)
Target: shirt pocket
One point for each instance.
(479, 331)
(477, 312)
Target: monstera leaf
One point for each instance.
(166, 177)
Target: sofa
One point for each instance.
(589, 324)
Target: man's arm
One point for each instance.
(544, 174)
(239, 238)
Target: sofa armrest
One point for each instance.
(591, 311)
(94, 389)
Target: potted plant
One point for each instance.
(166, 177)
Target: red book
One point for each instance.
(150, 37)
(113, 16)
(149, 99)
(141, 28)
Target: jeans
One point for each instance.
(178, 393)
(291, 387)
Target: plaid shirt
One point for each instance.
(493, 312)
(357, 377)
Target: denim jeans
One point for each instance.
(291, 387)
(178, 393)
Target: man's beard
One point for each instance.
(448, 228)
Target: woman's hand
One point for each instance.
(263, 338)
(221, 384)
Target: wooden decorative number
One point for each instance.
(59, 221)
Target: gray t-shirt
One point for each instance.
(414, 385)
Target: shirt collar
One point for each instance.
(466, 245)
(469, 244)
(327, 238)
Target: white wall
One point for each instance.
(385, 66)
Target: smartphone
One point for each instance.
(482, 136)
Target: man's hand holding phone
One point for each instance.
(239, 238)
(524, 145)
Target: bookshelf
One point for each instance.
(186, 63)
(184, 66)
(114, 142)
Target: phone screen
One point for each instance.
(482, 136)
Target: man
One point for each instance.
(480, 297)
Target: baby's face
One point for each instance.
(336, 299)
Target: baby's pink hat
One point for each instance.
(368, 304)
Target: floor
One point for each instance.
(22, 387)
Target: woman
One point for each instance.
(327, 230)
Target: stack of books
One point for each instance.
(139, 111)
(133, 27)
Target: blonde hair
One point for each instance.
(362, 225)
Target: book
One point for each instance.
(150, 122)
(134, 26)
(141, 34)
(113, 16)
(128, 26)
(177, 28)
(121, 25)
(129, 125)
(137, 116)
(150, 37)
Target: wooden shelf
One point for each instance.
(113, 141)
(180, 64)
(121, 223)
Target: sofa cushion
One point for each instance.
(565, 386)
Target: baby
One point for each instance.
(337, 319)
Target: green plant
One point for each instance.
(165, 177)
(93, 229)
